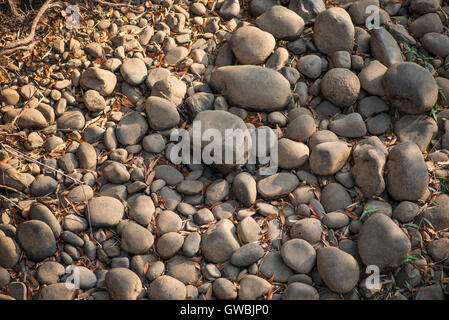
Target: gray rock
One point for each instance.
(407, 176)
(307, 9)
(310, 66)
(301, 128)
(116, 173)
(298, 255)
(87, 156)
(244, 188)
(105, 211)
(436, 43)
(141, 209)
(272, 264)
(300, 291)
(328, 157)
(438, 216)
(340, 86)
(219, 242)
(94, 101)
(248, 230)
(368, 169)
(224, 289)
(247, 255)
(384, 47)
(338, 269)
(41, 212)
(9, 252)
(333, 31)
(98, 79)
(308, 229)
(270, 92)
(426, 23)
(419, 129)
(371, 78)
(191, 244)
(169, 244)
(161, 113)
(253, 287)
(43, 185)
(410, 88)
(350, 126)
(57, 291)
(36, 239)
(277, 185)
(292, 154)
(382, 243)
(281, 22)
(251, 45)
(335, 197)
(136, 239)
(166, 288)
(198, 102)
(131, 129)
(123, 284)
(168, 221)
(222, 121)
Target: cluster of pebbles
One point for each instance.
(89, 193)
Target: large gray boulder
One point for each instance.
(252, 87)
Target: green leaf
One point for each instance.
(440, 90)
(429, 223)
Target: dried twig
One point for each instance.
(22, 43)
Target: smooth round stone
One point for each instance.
(80, 193)
(136, 239)
(244, 188)
(292, 154)
(123, 284)
(191, 244)
(277, 185)
(169, 244)
(43, 185)
(247, 255)
(161, 113)
(338, 269)
(41, 212)
(190, 187)
(335, 220)
(253, 287)
(153, 143)
(186, 209)
(133, 71)
(272, 264)
(299, 255)
(169, 174)
(308, 229)
(310, 66)
(166, 288)
(224, 289)
(168, 221)
(105, 211)
(37, 240)
(116, 173)
(251, 45)
(300, 291)
(131, 129)
(141, 209)
(340, 86)
(281, 22)
(9, 252)
(57, 291)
